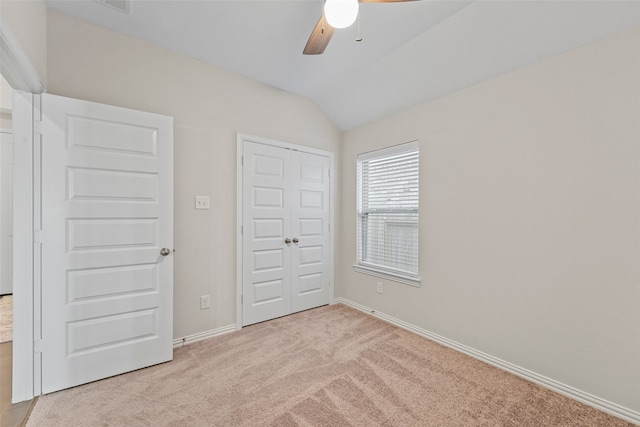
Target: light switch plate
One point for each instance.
(202, 202)
(205, 301)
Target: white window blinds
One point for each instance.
(388, 212)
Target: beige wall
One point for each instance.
(529, 218)
(27, 21)
(209, 106)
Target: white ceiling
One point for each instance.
(411, 52)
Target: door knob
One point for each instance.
(165, 251)
(295, 240)
(287, 240)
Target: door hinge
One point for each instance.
(242, 230)
(242, 299)
(37, 236)
(329, 173)
(329, 227)
(37, 127)
(242, 160)
(37, 346)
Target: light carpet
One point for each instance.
(6, 318)
(331, 366)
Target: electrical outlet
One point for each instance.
(205, 301)
(379, 287)
(202, 202)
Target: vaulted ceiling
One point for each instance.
(410, 53)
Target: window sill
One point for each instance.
(407, 280)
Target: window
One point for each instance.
(388, 213)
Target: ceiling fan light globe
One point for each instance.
(341, 13)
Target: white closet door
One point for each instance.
(107, 213)
(286, 256)
(266, 223)
(310, 266)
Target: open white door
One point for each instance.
(107, 214)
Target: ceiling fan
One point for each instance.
(335, 14)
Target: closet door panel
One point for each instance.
(310, 223)
(266, 224)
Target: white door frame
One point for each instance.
(239, 196)
(24, 366)
(16, 68)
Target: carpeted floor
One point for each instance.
(6, 318)
(332, 366)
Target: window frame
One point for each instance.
(377, 270)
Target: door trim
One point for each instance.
(241, 139)
(21, 75)
(27, 257)
(24, 366)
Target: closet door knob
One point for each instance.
(287, 240)
(295, 240)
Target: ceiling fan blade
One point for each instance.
(383, 1)
(319, 38)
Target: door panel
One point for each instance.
(285, 195)
(107, 202)
(311, 263)
(266, 222)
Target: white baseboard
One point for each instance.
(566, 390)
(180, 342)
